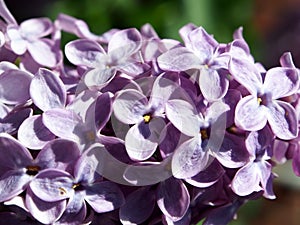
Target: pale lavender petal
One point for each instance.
(212, 84)
(63, 123)
(17, 44)
(129, 106)
(124, 43)
(44, 212)
(283, 120)
(250, 115)
(132, 68)
(104, 196)
(14, 86)
(148, 31)
(4, 110)
(12, 153)
(246, 74)
(12, 183)
(173, 198)
(265, 174)
(178, 59)
(247, 180)
(185, 30)
(99, 77)
(60, 154)
(183, 115)
(42, 52)
(286, 60)
(207, 177)
(215, 110)
(144, 200)
(5, 65)
(47, 90)
(202, 44)
(85, 53)
(281, 82)
(189, 159)
(36, 28)
(33, 133)
(52, 185)
(142, 139)
(6, 14)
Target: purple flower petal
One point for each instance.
(281, 82)
(103, 110)
(183, 115)
(283, 120)
(33, 134)
(207, 177)
(246, 74)
(42, 52)
(286, 60)
(12, 183)
(84, 52)
(63, 123)
(247, 180)
(6, 14)
(44, 212)
(130, 106)
(173, 198)
(250, 115)
(213, 85)
(52, 185)
(178, 59)
(14, 86)
(124, 43)
(99, 77)
(189, 159)
(104, 196)
(36, 28)
(296, 162)
(144, 200)
(47, 90)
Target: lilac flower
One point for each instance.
(255, 175)
(132, 107)
(253, 111)
(201, 53)
(102, 66)
(85, 186)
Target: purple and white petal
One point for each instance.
(104, 196)
(36, 28)
(17, 44)
(130, 106)
(173, 198)
(184, 116)
(283, 120)
(281, 82)
(33, 133)
(99, 77)
(250, 115)
(47, 90)
(189, 159)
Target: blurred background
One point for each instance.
(271, 27)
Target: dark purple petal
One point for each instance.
(281, 82)
(33, 134)
(213, 85)
(246, 74)
(44, 212)
(173, 198)
(250, 115)
(129, 106)
(169, 140)
(265, 176)
(52, 185)
(104, 196)
(142, 199)
(103, 110)
(178, 59)
(207, 177)
(14, 86)
(13, 183)
(84, 52)
(296, 162)
(283, 120)
(189, 158)
(60, 154)
(47, 90)
(184, 116)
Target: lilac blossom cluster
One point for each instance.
(128, 128)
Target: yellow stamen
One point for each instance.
(204, 134)
(147, 118)
(259, 100)
(75, 186)
(62, 191)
